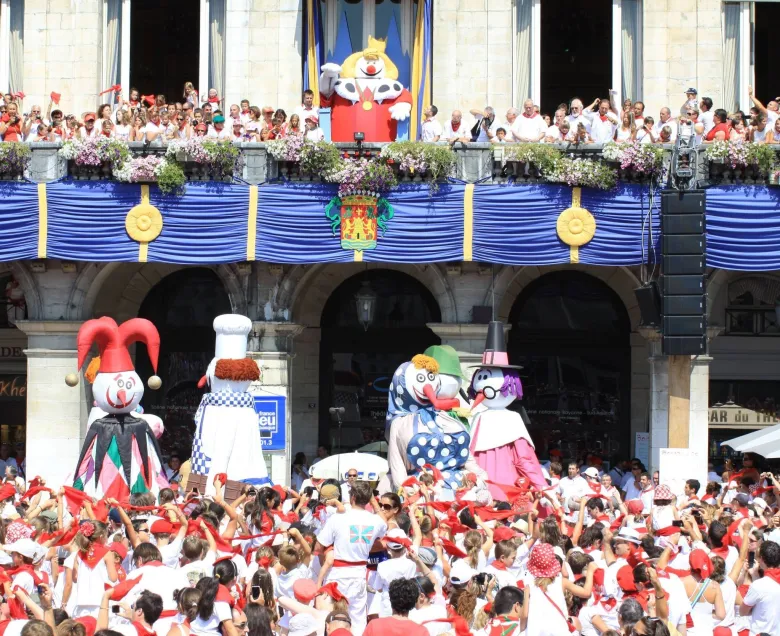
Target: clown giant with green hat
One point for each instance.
(425, 429)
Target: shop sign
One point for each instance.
(736, 417)
(271, 412)
(11, 352)
(13, 387)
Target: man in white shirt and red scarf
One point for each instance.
(352, 535)
(454, 130)
(530, 126)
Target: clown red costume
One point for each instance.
(365, 95)
(120, 454)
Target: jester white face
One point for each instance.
(370, 68)
(488, 381)
(416, 382)
(118, 392)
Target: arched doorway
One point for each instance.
(182, 306)
(356, 363)
(571, 333)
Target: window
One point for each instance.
(753, 307)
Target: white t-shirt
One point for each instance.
(449, 133)
(576, 487)
(431, 129)
(602, 131)
(482, 134)
(210, 627)
(554, 132)
(579, 119)
(430, 613)
(764, 597)
(387, 572)
(708, 119)
(159, 579)
(528, 128)
(352, 534)
(315, 135)
(196, 570)
(659, 126)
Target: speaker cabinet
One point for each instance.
(649, 304)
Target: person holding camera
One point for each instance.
(486, 127)
(12, 127)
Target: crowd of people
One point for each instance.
(598, 551)
(153, 119)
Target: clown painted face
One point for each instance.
(372, 68)
(450, 385)
(489, 381)
(118, 392)
(422, 384)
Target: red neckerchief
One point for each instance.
(245, 112)
(142, 631)
(773, 573)
(25, 568)
(455, 126)
(603, 117)
(133, 103)
(224, 596)
(722, 552)
(94, 555)
(499, 565)
(121, 574)
(604, 519)
(214, 100)
(609, 603)
(529, 116)
(155, 564)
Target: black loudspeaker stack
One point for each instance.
(683, 297)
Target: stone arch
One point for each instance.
(764, 285)
(510, 282)
(118, 289)
(306, 289)
(26, 280)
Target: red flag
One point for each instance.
(121, 590)
(74, 499)
(450, 548)
(116, 88)
(55, 97)
(149, 99)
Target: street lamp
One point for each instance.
(365, 301)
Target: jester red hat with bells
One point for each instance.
(120, 454)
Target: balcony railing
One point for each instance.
(476, 162)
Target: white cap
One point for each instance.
(303, 625)
(461, 572)
(232, 331)
(394, 534)
(26, 547)
(592, 472)
(630, 535)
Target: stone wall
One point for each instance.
(263, 52)
(62, 53)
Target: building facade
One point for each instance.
(596, 379)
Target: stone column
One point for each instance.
(56, 413)
(467, 339)
(271, 345)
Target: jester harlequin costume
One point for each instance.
(120, 454)
(421, 429)
(365, 95)
(227, 436)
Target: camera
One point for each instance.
(256, 592)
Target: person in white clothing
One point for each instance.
(603, 122)
(487, 124)
(454, 130)
(576, 115)
(139, 617)
(553, 133)
(398, 566)
(573, 485)
(511, 117)
(313, 131)
(706, 114)
(352, 475)
(431, 129)
(762, 600)
(530, 126)
(307, 107)
(155, 577)
(665, 119)
(352, 535)
(89, 130)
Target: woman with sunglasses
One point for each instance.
(388, 506)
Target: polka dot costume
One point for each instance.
(400, 400)
(542, 561)
(447, 452)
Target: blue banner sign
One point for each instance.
(271, 410)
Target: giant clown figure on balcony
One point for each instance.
(227, 432)
(120, 454)
(365, 95)
(499, 438)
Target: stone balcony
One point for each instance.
(477, 162)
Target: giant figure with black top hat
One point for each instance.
(499, 438)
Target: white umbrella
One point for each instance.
(769, 450)
(369, 467)
(373, 447)
(749, 442)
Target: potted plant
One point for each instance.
(14, 159)
(420, 160)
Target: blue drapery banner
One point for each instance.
(286, 223)
(18, 221)
(743, 228)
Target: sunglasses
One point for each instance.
(350, 475)
(180, 119)
(385, 506)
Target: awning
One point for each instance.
(765, 442)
